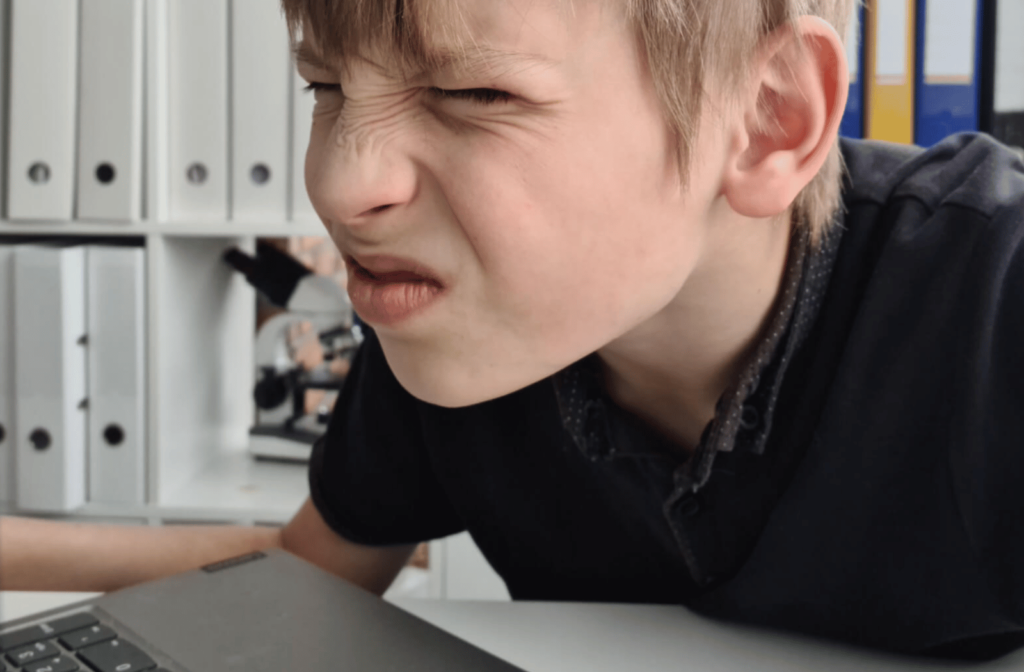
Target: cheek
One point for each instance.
(578, 240)
(582, 204)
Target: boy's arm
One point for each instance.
(372, 567)
(46, 555)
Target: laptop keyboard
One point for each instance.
(70, 643)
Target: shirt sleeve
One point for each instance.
(370, 475)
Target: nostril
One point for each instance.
(378, 209)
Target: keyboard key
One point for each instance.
(58, 664)
(32, 652)
(116, 656)
(59, 626)
(94, 634)
(54, 628)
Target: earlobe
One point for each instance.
(792, 111)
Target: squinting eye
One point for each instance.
(317, 87)
(484, 96)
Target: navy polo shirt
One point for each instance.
(861, 481)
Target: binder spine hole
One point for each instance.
(113, 435)
(3, 433)
(40, 439)
(260, 173)
(39, 173)
(196, 173)
(105, 173)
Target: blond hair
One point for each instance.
(685, 42)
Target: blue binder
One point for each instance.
(852, 125)
(948, 69)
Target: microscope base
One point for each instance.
(277, 445)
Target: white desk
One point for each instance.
(14, 604)
(554, 637)
(560, 637)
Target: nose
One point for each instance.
(354, 176)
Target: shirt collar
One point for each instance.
(744, 412)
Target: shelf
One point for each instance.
(236, 487)
(233, 489)
(261, 229)
(183, 229)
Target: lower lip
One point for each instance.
(387, 304)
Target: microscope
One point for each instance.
(284, 430)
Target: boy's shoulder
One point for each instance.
(944, 223)
(967, 170)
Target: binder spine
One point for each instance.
(259, 111)
(117, 379)
(948, 63)
(1008, 73)
(50, 340)
(197, 46)
(5, 15)
(110, 111)
(889, 47)
(7, 428)
(852, 125)
(43, 88)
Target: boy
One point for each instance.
(625, 333)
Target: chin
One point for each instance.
(446, 396)
(455, 382)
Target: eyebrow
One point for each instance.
(304, 53)
(476, 60)
(481, 58)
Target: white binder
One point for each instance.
(49, 363)
(115, 277)
(302, 123)
(4, 35)
(260, 111)
(197, 119)
(43, 77)
(110, 110)
(7, 430)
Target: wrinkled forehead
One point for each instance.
(419, 35)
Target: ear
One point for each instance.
(791, 109)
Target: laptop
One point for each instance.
(267, 611)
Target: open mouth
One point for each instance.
(391, 277)
(386, 291)
(386, 276)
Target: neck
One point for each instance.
(671, 370)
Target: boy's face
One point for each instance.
(551, 218)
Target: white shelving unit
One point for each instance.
(200, 336)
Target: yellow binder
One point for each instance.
(889, 55)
